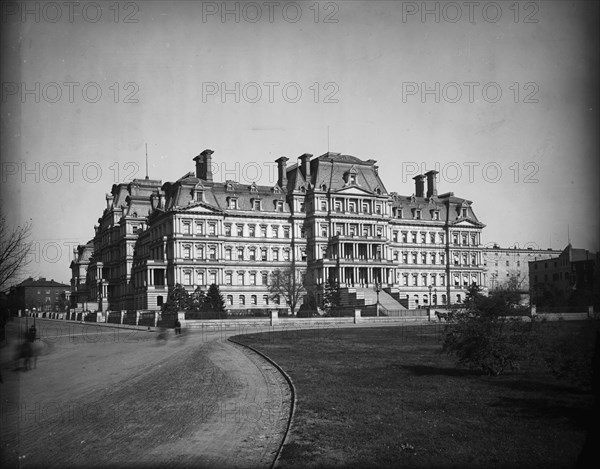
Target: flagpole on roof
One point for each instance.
(146, 161)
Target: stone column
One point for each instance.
(356, 316)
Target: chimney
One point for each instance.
(431, 183)
(282, 171)
(109, 200)
(305, 165)
(204, 165)
(419, 185)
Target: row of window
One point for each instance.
(417, 280)
(252, 279)
(518, 264)
(428, 279)
(238, 230)
(354, 229)
(563, 262)
(239, 253)
(350, 229)
(352, 206)
(255, 204)
(556, 276)
(253, 300)
(230, 229)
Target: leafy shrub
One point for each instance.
(491, 344)
(481, 337)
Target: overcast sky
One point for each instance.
(500, 97)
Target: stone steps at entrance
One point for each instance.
(386, 301)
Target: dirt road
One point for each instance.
(104, 397)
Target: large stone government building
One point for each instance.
(330, 217)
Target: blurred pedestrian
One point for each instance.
(32, 334)
(162, 334)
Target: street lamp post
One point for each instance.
(377, 289)
(429, 304)
(435, 296)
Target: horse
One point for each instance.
(446, 316)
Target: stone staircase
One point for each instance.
(386, 301)
(366, 298)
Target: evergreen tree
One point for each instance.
(331, 297)
(178, 300)
(198, 300)
(214, 301)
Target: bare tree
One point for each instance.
(14, 251)
(287, 283)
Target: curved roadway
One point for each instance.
(102, 396)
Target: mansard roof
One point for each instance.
(132, 198)
(329, 170)
(181, 194)
(448, 206)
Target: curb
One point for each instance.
(293, 401)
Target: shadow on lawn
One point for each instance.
(422, 370)
(577, 414)
(538, 386)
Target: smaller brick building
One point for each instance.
(570, 277)
(43, 295)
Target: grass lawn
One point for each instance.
(387, 397)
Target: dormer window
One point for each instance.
(229, 187)
(350, 176)
(199, 196)
(232, 203)
(435, 215)
(253, 187)
(255, 204)
(324, 187)
(279, 205)
(463, 212)
(276, 190)
(416, 214)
